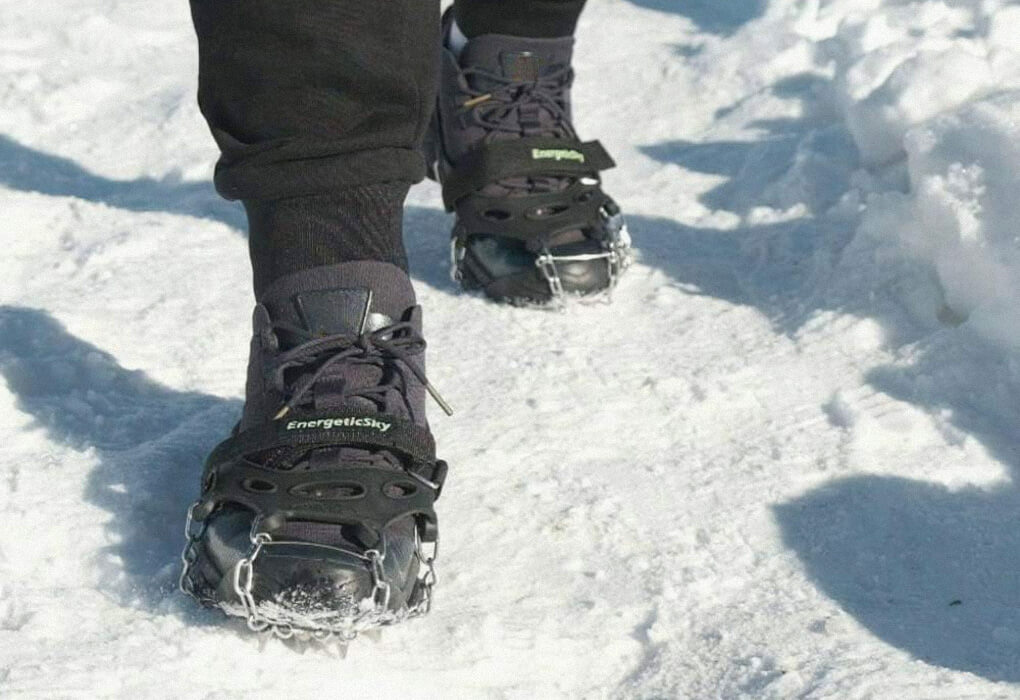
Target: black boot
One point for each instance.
(317, 513)
(532, 221)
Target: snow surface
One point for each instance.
(780, 465)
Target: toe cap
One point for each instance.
(298, 574)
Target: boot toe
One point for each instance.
(515, 275)
(297, 577)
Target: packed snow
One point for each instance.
(780, 464)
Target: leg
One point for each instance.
(538, 19)
(317, 514)
(319, 108)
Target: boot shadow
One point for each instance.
(29, 170)
(150, 442)
(723, 18)
(932, 570)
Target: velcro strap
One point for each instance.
(326, 429)
(499, 160)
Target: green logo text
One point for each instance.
(330, 423)
(556, 154)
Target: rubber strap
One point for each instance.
(499, 160)
(575, 208)
(328, 429)
(366, 496)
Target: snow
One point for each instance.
(779, 465)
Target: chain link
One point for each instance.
(428, 579)
(457, 253)
(190, 554)
(244, 579)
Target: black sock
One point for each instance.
(525, 18)
(299, 233)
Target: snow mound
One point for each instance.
(931, 90)
(960, 214)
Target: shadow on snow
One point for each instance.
(931, 570)
(29, 170)
(713, 16)
(150, 442)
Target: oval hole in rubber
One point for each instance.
(496, 214)
(400, 489)
(329, 490)
(546, 212)
(258, 486)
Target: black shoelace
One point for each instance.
(504, 105)
(391, 348)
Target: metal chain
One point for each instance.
(190, 554)
(617, 257)
(457, 253)
(244, 578)
(275, 619)
(428, 580)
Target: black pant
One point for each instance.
(320, 106)
(307, 96)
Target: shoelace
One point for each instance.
(494, 106)
(394, 346)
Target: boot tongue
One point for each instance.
(334, 311)
(325, 312)
(519, 59)
(347, 299)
